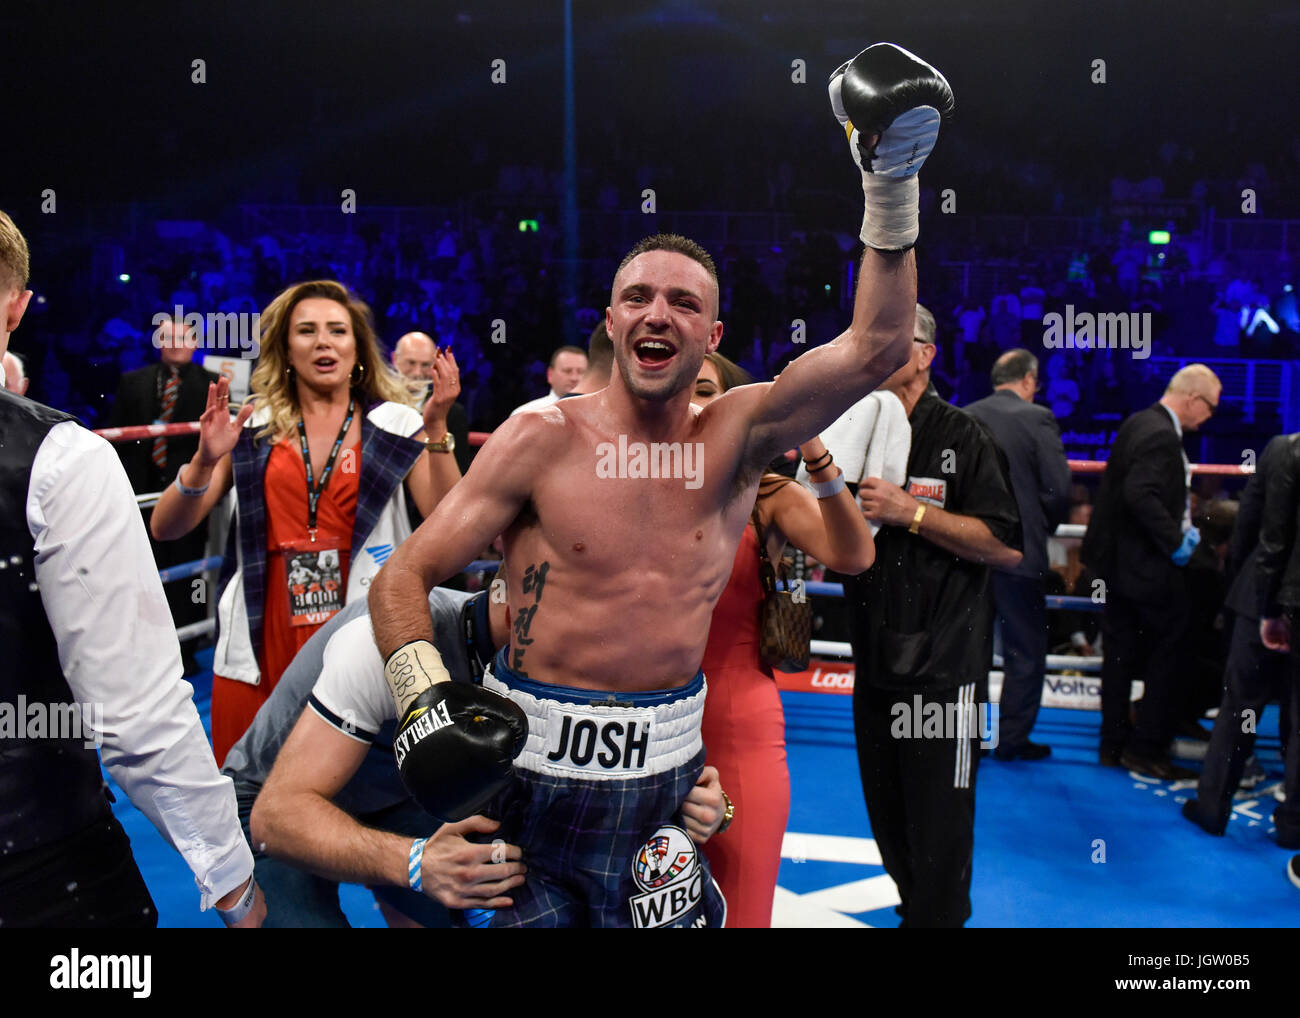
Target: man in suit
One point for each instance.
(1277, 589)
(1139, 537)
(1254, 674)
(173, 390)
(1040, 479)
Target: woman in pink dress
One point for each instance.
(744, 726)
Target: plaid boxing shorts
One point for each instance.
(595, 806)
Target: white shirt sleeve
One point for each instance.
(352, 687)
(118, 650)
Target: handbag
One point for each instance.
(784, 624)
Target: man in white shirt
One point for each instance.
(86, 634)
(568, 365)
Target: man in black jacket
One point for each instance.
(1277, 565)
(171, 391)
(1139, 536)
(922, 635)
(143, 397)
(1040, 479)
(1254, 674)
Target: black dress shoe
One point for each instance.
(1191, 730)
(1192, 811)
(1025, 751)
(1162, 770)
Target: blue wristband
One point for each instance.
(416, 858)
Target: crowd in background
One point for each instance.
(494, 294)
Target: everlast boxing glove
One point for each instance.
(888, 92)
(455, 741)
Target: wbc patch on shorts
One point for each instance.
(667, 870)
(930, 490)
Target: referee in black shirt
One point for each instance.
(922, 634)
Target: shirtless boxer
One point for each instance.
(613, 579)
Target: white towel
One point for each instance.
(872, 439)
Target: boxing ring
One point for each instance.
(831, 874)
(1071, 681)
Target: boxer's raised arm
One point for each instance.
(467, 520)
(889, 103)
(817, 388)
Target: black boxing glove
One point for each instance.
(455, 742)
(893, 96)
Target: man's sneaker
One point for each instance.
(1253, 773)
(1185, 748)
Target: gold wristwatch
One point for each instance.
(915, 528)
(728, 815)
(445, 444)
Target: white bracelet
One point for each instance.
(242, 907)
(828, 489)
(186, 490)
(413, 864)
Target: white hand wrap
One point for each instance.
(891, 220)
(411, 669)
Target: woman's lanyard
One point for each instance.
(314, 491)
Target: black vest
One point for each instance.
(49, 788)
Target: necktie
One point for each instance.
(170, 391)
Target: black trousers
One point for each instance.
(1253, 677)
(920, 795)
(1022, 616)
(1140, 641)
(88, 881)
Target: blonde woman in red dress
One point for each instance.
(744, 726)
(323, 459)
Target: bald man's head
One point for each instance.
(1193, 395)
(414, 355)
(16, 379)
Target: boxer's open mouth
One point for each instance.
(653, 353)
